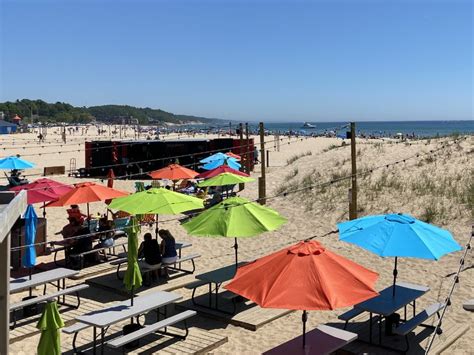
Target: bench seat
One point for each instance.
(350, 314)
(195, 284)
(148, 329)
(411, 324)
(75, 328)
(44, 298)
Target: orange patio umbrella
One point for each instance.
(232, 155)
(86, 192)
(305, 276)
(173, 172)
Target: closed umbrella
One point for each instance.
(29, 257)
(232, 155)
(219, 170)
(235, 217)
(133, 277)
(13, 162)
(305, 276)
(398, 235)
(49, 324)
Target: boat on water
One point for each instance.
(308, 125)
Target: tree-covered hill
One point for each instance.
(39, 110)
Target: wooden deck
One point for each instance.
(418, 339)
(197, 342)
(248, 315)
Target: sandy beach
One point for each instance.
(436, 187)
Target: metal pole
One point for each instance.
(261, 186)
(268, 158)
(353, 210)
(247, 151)
(241, 143)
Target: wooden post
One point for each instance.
(241, 143)
(268, 158)
(247, 150)
(353, 205)
(262, 182)
(5, 294)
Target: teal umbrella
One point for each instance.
(13, 162)
(29, 258)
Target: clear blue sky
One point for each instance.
(251, 60)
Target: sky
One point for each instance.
(245, 60)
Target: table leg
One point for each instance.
(94, 345)
(414, 308)
(405, 313)
(217, 291)
(64, 286)
(102, 341)
(380, 329)
(370, 328)
(58, 287)
(210, 295)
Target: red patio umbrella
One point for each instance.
(220, 170)
(43, 190)
(87, 192)
(232, 155)
(305, 276)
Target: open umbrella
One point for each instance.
(232, 155)
(133, 277)
(305, 276)
(49, 324)
(43, 190)
(86, 192)
(235, 217)
(173, 172)
(398, 235)
(225, 179)
(156, 201)
(219, 170)
(219, 159)
(29, 258)
(13, 162)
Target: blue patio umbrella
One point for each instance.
(217, 156)
(29, 257)
(13, 162)
(398, 235)
(224, 160)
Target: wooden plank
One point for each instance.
(248, 315)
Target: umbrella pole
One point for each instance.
(395, 272)
(131, 305)
(88, 217)
(156, 227)
(236, 247)
(31, 290)
(44, 209)
(304, 318)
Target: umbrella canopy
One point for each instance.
(226, 161)
(13, 162)
(398, 235)
(235, 217)
(173, 172)
(156, 201)
(110, 178)
(305, 276)
(29, 258)
(43, 190)
(220, 170)
(86, 192)
(49, 324)
(213, 157)
(225, 179)
(232, 155)
(133, 277)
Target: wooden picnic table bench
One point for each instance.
(46, 298)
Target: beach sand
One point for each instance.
(433, 188)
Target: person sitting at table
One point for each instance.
(107, 237)
(69, 230)
(83, 243)
(75, 212)
(168, 248)
(150, 251)
(190, 188)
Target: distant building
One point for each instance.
(16, 119)
(7, 127)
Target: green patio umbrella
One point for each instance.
(235, 217)
(133, 277)
(49, 324)
(225, 179)
(156, 201)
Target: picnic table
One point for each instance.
(105, 317)
(385, 304)
(217, 277)
(58, 275)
